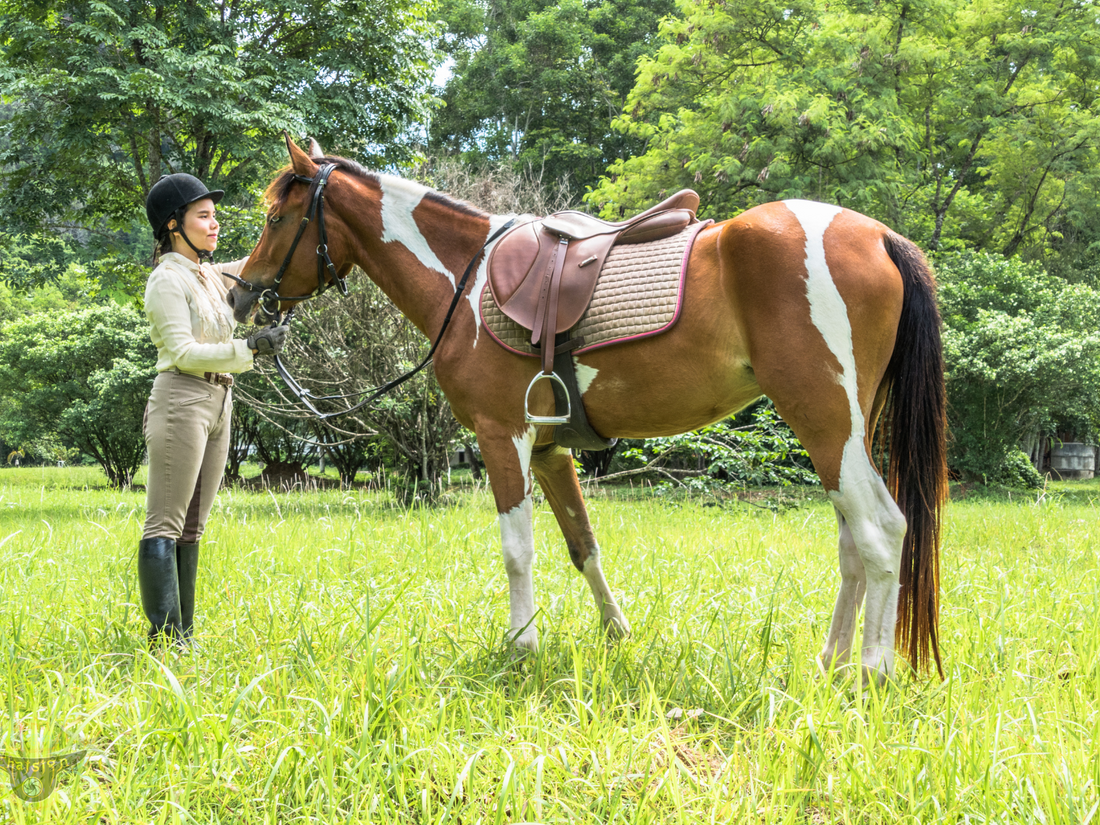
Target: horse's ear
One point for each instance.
(299, 160)
(315, 150)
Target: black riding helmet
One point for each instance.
(170, 196)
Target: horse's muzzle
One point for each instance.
(241, 302)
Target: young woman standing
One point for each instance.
(189, 410)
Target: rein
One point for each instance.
(270, 298)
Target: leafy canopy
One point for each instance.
(540, 81)
(104, 97)
(957, 123)
(1023, 354)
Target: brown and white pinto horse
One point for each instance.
(823, 310)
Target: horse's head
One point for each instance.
(304, 247)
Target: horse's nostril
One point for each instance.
(231, 299)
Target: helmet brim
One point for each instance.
(214, 195)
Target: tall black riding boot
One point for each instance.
(160, 595)
(187, 570)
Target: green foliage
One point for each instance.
(72, 289)
(27, 261)
(1018, 471)
(1022, 350)
(79, 380)
(955, 123)
(105, 97)
(539, 82)
(761, 452)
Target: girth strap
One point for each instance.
(577, 434)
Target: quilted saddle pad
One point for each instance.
(639, 293)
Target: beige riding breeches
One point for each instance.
(187, 434)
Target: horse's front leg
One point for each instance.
(553, 467)
(508, 463)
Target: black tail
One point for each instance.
(915, 420)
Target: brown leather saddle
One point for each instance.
(542, 274)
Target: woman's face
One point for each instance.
(201, 227)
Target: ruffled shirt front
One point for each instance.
(190, 322)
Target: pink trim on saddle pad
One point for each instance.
(622, 298)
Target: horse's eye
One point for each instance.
(274, 219)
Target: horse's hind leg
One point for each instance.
(853, 584)
(553, 467)
(875, 526)
(872, 528)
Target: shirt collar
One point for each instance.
(182, 260)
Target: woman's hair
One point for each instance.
(163, 241)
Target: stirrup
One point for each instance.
(548, 420)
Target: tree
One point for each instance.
(105, 97)
(82, 377)
(960, 125)
(754, 447)
(283, 445)
(540, 81)
(1022, 350)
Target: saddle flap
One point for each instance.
(535, 254)
(511, 259)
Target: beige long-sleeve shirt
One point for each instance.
(172, 304)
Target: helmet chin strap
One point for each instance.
(202, 253)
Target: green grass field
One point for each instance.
(350, 667)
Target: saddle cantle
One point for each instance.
(542, 274)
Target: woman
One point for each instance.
(188, 414)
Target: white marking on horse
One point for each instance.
(399, 198)
(517, 543)
(830, 315)
(474, 295)
(525, 443)
(611, 616)
(585, 375)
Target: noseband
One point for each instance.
(270, 298)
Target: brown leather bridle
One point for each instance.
(270, 298)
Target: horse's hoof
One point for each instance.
(834, 661)
(877, 666)
(616, 628)
(524, 642)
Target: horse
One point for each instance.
(825, 311)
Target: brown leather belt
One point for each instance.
(223, 378)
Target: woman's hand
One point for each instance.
(268, 341)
